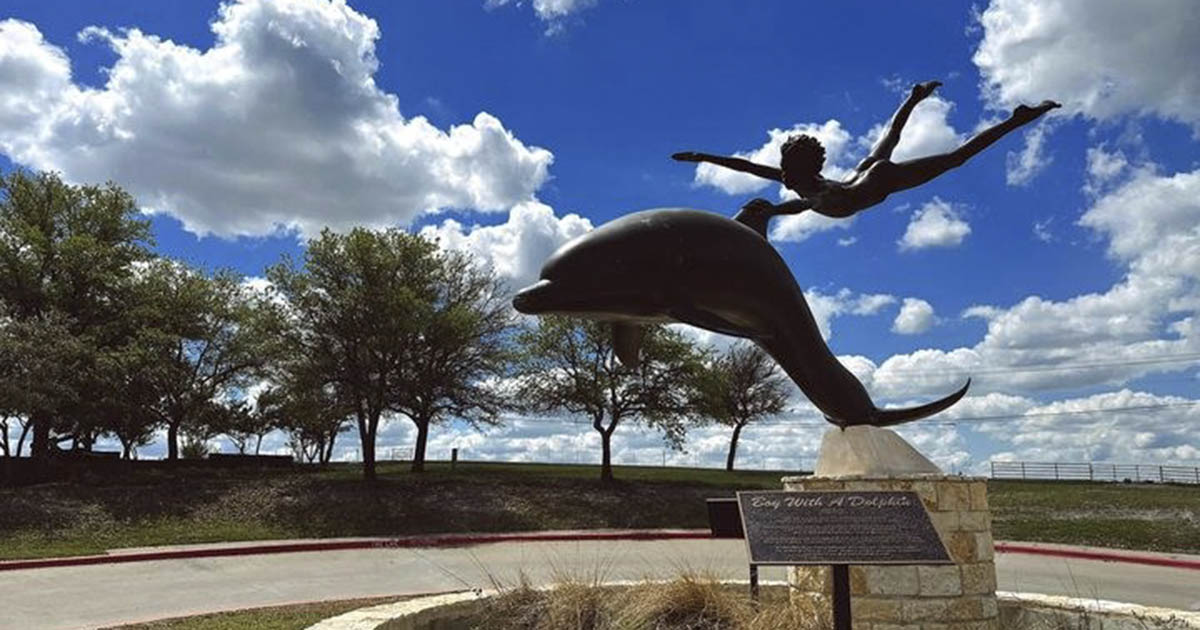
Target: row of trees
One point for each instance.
(101, 337)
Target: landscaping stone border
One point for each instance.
(1035, 611)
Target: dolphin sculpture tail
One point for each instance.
(889, 417)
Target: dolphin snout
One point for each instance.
(532, 299)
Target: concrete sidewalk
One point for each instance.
(242, 548)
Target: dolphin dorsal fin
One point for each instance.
(627, 342)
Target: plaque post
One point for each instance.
(841, 597)
(754, 582)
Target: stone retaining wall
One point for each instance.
(952, 597)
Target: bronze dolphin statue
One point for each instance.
(703, 269)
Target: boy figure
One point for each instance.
(874, 178)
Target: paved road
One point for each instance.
(101, 595)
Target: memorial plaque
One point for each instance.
(796, 528)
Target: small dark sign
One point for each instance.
(724, 519)
(795, 528)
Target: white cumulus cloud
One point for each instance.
(915, 317)
(279, 124)
(1123, 426)
(935, 224)
(1104, 165)
(927, 132)
(1100, 58)
(826, 306)
(797, 227)
(1145, 323)
(1023, 166)
(516, 248)
(552, 12)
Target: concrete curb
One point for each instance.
(1105, 555)
(462, 540)
(437, 540)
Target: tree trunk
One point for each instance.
(418, 462)
(328, 455)
(366, 435)
(258, 444)
(127, 449)
(737, 430)
(606, 474)
(7, 453)
(173, 441)
(40, 447)
(21, 440)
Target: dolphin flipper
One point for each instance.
(627, 342)
(889, 417)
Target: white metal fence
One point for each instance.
(1066, 471)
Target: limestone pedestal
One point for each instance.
(961, 596)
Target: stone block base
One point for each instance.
(961, 596)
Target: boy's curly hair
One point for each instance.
(803, 154)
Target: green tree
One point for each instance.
(740, 386)
(127, 394)
(213, 334)
(570, 365)
(458, 351)
(243, 423)
(355, 306)
(65, 252)
(308, 409)
(208, 421)
(45, 371)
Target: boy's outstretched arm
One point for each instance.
(737, 164)
(757, 213)
(793, 206)
(796, 206)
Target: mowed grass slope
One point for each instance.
(200, 505)
(1152, 517)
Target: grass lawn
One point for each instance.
(1152, 517)
(198, 505)
(274, 618)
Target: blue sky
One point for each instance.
(1058, 268)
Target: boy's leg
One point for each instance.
(912, 173)
(887, 142)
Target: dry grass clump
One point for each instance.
(519, 608)
(689, 602)
(574, 602)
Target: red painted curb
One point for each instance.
(459, 540)
(446, 540)
(1106, 556)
